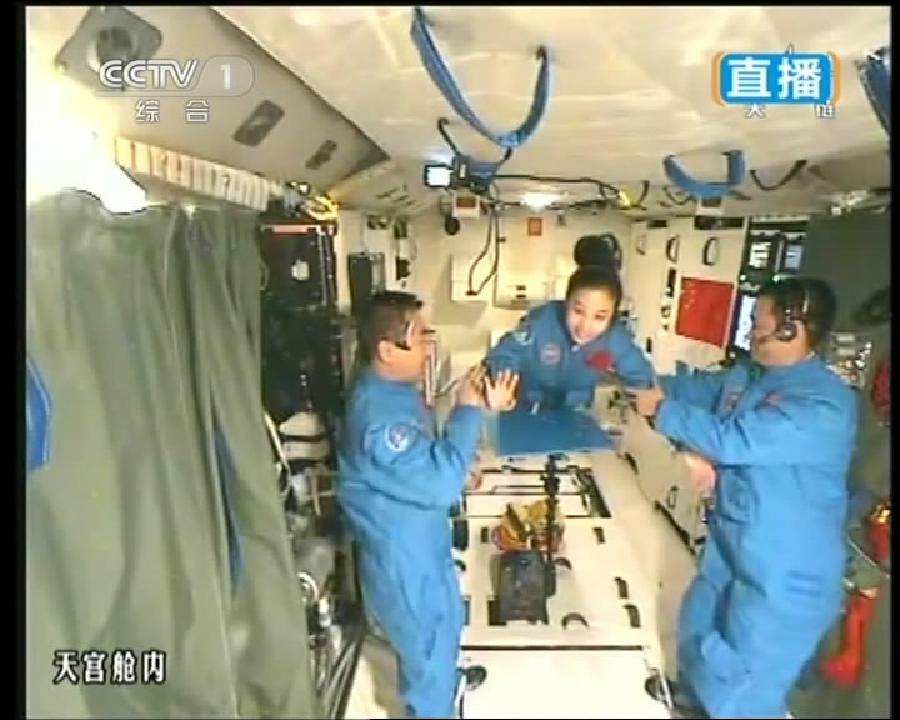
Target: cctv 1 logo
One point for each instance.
(222, 76)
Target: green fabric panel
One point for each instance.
(269, 638)
(119, 518)
(134, 331)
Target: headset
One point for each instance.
(787, 328)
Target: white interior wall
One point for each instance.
(646, 280)
(465, 328)
(69, 138)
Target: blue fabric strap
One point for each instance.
(228, 483)
(442, 77)
(875, 76)
(38, 411)
(736, 171)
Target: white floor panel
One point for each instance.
(561, 684)
(602, 669)
(589, 588)
(529, 483)
(488, 459)
(666, 563)
(481, 506)
(374, 693)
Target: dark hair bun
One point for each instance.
(598, 250)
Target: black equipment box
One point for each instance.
(521, 591)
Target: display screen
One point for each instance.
(793, 255)
(437, 176)
(744, 321)
(758, 258)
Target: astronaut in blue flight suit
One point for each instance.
(564, 349)
(397, 483)
(780, 434)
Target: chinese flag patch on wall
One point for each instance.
(704, 310)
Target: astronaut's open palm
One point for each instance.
(500, 395)
(469, 392)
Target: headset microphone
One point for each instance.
(792, 316)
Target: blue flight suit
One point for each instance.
(397, 483)
(555, 372)
(769, 583)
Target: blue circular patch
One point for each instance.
(398, 437)
(551, 354)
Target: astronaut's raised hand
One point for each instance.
(500, 395)
(470, 387)
(702, 472)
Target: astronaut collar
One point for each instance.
(589, 347)
(373, 376)
(780, 370)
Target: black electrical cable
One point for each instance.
(791, 174)
(645, 189)
(480, 257)
(492, 221)
(337, 689)
(603, 186)
(672, 199)
(607, 191)
(442, 129)
(495, 200)
(442, 124)
(496, 263)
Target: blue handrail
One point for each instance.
(737, 169)
(875, 76)
(443, 78)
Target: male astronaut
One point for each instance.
(780, 435)
(398, 481)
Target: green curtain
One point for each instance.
(154, 523)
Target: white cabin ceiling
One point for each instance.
(631, 85)
(198, 32)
